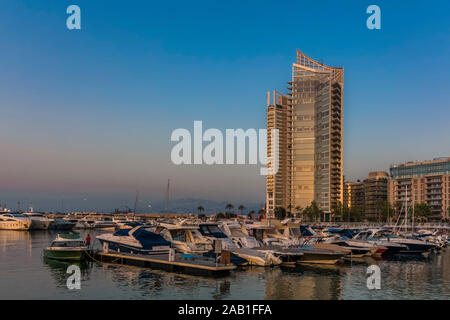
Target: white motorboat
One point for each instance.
(38, 220)
(255, 251)
(14, 221)
(138, 240)
(184, 238)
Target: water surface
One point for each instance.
(24, 274)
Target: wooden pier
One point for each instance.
(200, 267)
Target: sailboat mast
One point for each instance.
(413, 213)
(166, 208)
(135, 202)
(406, 210)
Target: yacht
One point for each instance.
(281, 248)
(239, 235)
(346, 239)
(184, 238)
(137, 240)
(38, 220)
(413, 246)
(239, 255)
(14, 221)
(61, 224)
(85, 223)
(104, 224)
(371, 236)
(248, 247)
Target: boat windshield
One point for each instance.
(67, 244)
(362, 235)
(178, 235)
(18, 215)
(212, 231)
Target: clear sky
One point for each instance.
(86, 115)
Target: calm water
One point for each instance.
(25, 275)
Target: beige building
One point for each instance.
(354, 196)
(309, 119)
(425, 181)
(376, 194)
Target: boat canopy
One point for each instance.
(148, 238)
(210, 230)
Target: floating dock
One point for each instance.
(200, 267)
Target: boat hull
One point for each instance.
(120, 247)
(15, 225)
(313, 257)
(65, 255)
(40, 224)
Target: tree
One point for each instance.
(220, 215)
(200, 209)
(380, 204)
(355, 214)
(387, 211)
(229, 207)
(313, 211)
(280, 213)
(261, 213)
(337, 210)
(422, 210)
(316, 212)
(241, 209)
(289, 210)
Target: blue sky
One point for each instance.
(88, 113)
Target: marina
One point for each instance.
(187, 258)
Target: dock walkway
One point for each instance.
(200, 267)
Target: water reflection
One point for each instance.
(58, 271)
(25, 274)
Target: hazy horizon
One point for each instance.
(88, 114)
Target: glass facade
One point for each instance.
(421, 169)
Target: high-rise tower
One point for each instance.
(310, 123)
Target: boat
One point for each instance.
(373, 236)
(104, 224)
(38, 220)
(137, 240)
(413, 246)
(248, 247)
(84, 223)
(185, 238)
(68, 247)
(283, 248)
(357, 246)
(239, 235)
(61, 224)
(14, 221)
(312, 255)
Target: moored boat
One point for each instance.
(68, 247)
(137, 240)
(14, 221)
(38, 220)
